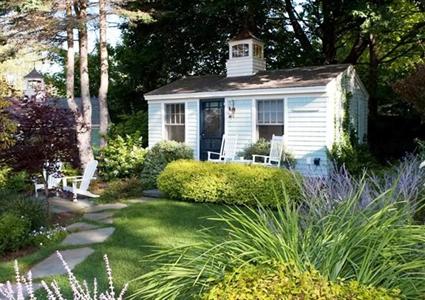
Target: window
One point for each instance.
(240, 50)
(258, 51)
(270, 118)
(174, 122)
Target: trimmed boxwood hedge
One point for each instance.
(227, 183)
(285, 282)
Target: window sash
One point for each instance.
(175, 114)
(257, 51)
(240, 50)
(270, 112)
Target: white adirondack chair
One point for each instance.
(227, 150)
(422, 165)
(275, 157)
(52, 181)
(80, 184)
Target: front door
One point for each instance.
(212, 126)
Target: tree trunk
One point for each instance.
(104, 76)
(373, 78)
(84, 136)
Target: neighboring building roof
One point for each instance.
(244, 35)
(63, 103)
(285, 78)
(34, 74)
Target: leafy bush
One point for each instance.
(159, 156)
(14, 232)
(376, 245)
(13, 181)
(284, 281)
(34, 210)
(123, 157)
(262, 147)
(355, 158)
(228, 183)
(120, 189)
(134, 124)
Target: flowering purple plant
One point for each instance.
(404, 181)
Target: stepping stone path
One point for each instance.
(98, 217)
(81, 226)
(53, 266)
(82, 233)
(95, 236)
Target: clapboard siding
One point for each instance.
(241, 123)
(192, 134)
(155, 123)
(306, 133)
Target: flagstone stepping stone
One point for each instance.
(98, 216)
(88, 237)
(153, 193)
(60, 205)
(140, 200)
(52, 265)
(107, 221)
(102, 207)
(80, 226)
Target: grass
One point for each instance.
(140, 229)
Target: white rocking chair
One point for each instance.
(52, 181)
(80, 184)
(275, 157)
(422, 165)
(227, 150)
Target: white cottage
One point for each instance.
(307, 105)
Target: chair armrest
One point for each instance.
(265, 157)
(71, 177)
(215, 153)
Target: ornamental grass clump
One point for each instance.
(375, 244)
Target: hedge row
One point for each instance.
(228, 183)
(285, 282)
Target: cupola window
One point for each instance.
(240, 50)
(258, 51)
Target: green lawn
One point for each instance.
(139, 228)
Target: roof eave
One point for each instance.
(238, 93)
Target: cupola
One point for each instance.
(246, 55)
(34, 85)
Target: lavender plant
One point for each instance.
(405, 180)
(23, 288)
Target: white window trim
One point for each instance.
(164, 125)
(255, 133)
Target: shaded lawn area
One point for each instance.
(139, 229)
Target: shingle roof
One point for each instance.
(62, 103)
(34, 74)
(243, 35)
(285, 78)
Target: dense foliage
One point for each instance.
(226, 183)
(284, 281)
(123, 157)
(377, 245)
(121, 189)
(132, 124)
(262, 147)
(13, 181)
(14, 231)
(7, 125)
(159, 156)
(46, 133)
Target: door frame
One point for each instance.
(200, 122)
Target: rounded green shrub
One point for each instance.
(159, 156)
(14, 232)
(34, 210)
(13, 181)
(228, 183)
(123, 157)
(284, 281)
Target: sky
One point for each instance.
(113, 38)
